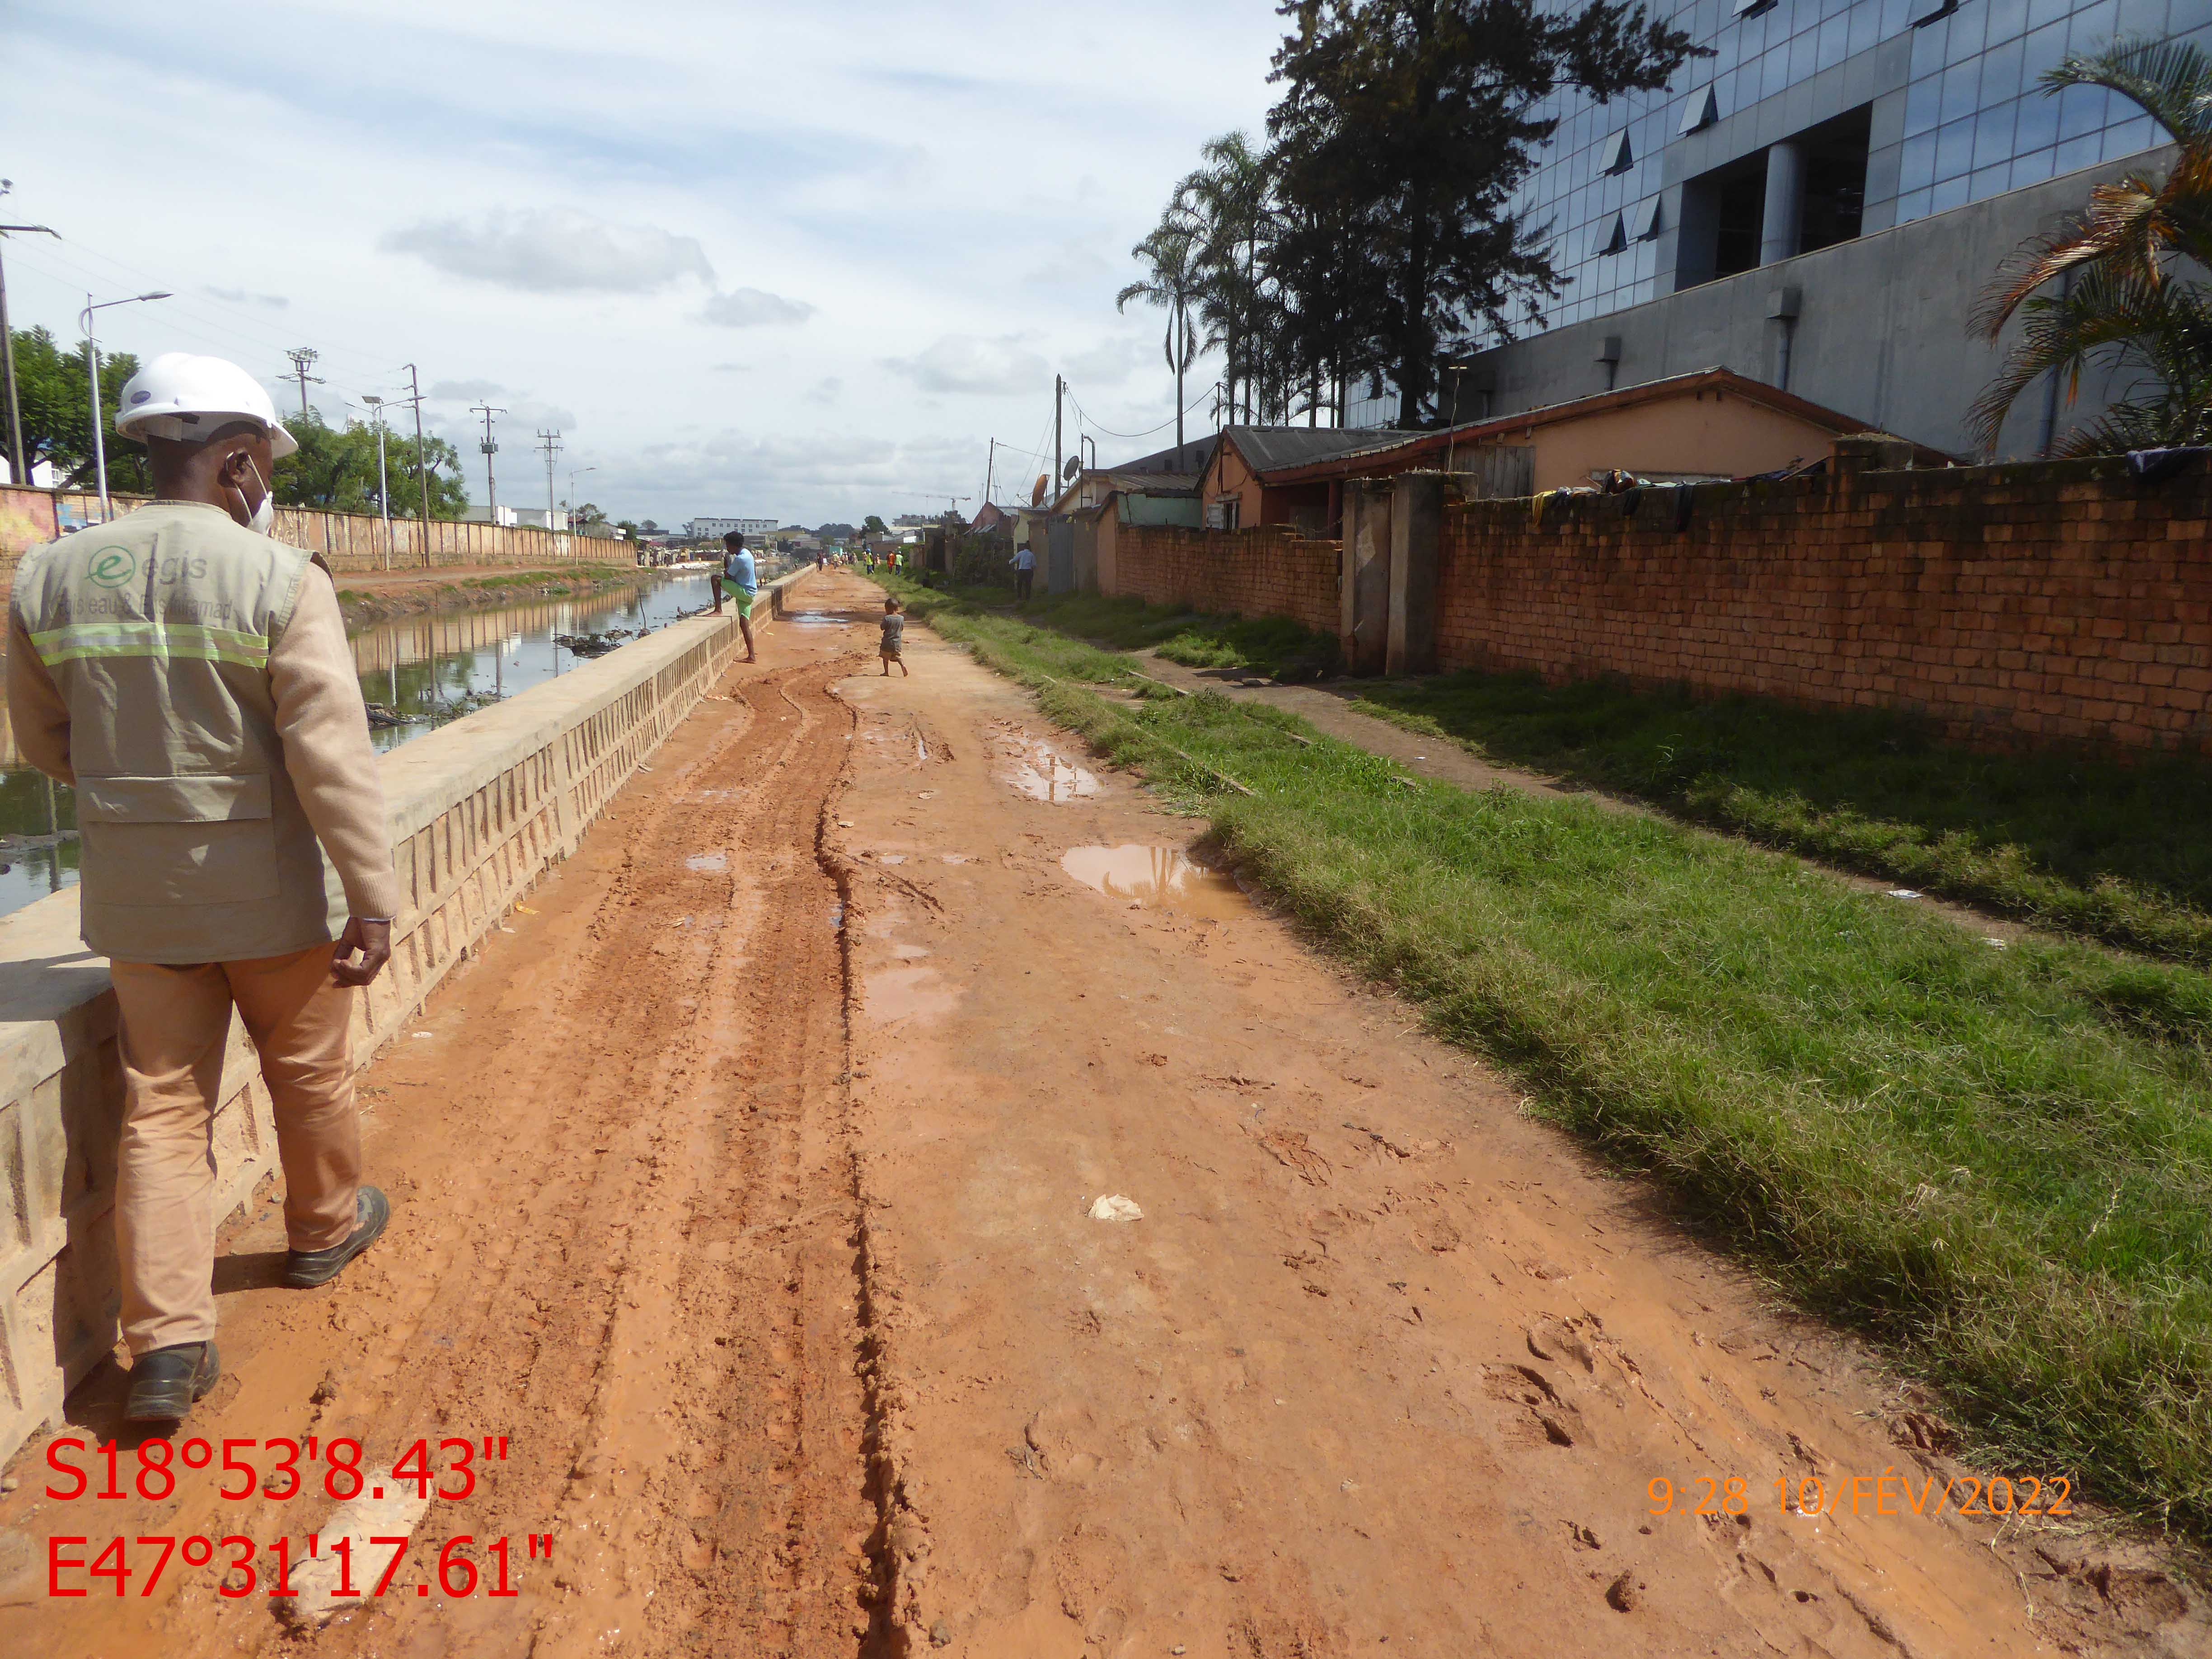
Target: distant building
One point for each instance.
(702, 530)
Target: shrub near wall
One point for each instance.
(2059, 601)
(1267, 571)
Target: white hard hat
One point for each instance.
(183, 396)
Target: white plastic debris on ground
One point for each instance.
(1115, 1207)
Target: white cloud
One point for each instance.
(826, 390)
(464, 392)
(554, 251)
(1109, 362)
(753, 308)
(964, 362)
(239, 296)
(1075, 260)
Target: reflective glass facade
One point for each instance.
(1660, 191)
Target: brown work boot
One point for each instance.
(305, 1269)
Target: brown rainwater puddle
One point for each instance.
(1042, 775)
(1154, 877)
(894, 993)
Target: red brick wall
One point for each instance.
(2059, 602)
(1270, 571)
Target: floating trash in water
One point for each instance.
(1115, 1207)
(1152, 876)
(597, 645)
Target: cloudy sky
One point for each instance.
(790, 261)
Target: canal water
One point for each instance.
(419, 670)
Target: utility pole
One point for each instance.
(383, 477)
(491, 448)
(990, 461)
(19, 459)
(1058, 386)
(549, 444)
(303, 359)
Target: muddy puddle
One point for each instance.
(897, 994)
(1157, 877)
(1041, 773)
(817, 619)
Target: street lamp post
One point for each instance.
(383, 484)
(574, 473)
(92, 371)
(19, 460)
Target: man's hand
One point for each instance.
(361, 951)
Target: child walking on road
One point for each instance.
(894, 631)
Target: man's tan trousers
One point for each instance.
(174, 1021)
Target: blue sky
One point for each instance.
(798, 261)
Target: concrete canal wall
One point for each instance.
(480, 809)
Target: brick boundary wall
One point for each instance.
(350, 542)
(2057, 601)
(1270, 570)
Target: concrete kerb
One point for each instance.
(480, 809)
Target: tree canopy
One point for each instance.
(335, 469)
(55, 394)
(1375, 233)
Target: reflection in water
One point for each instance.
(1156, 876)
(423, 669)
(1040, 773)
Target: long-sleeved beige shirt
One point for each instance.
(319, 716)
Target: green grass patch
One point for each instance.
(2117, 852)
(1273, 646)
(1994, 1160)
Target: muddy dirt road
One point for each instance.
(759, 1188)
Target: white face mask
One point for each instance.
(260, 519)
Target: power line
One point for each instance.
(1162, 427)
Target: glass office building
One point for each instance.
(1843, 117)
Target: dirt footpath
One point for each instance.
(760, 1188)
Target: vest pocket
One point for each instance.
(201, 839)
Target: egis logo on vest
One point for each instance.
(112, 566)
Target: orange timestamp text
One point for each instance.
(1888, 1493)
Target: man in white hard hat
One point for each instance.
(191, 678)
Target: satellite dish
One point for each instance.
(1074, 466)
(1037, 489)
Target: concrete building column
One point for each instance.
(1363, 585)
(1417, 524)
(1785, 201)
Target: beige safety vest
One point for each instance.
(156, 629)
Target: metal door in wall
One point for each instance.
(1059, 557)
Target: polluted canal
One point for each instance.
(417, 672)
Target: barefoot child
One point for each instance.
(893, 626)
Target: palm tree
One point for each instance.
(1230, 201)
(2118, 301)
(1170, 255)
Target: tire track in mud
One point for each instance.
(696, 1354)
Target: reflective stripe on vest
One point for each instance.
(82, 640)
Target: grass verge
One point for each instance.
(1273, 645)
(1994, 1160)
(2121, 853)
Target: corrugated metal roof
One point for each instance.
(1184, 458)
(1270, 446)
